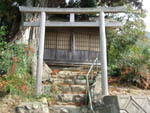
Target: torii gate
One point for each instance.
(72, 11)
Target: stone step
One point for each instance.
(69, 97)
(69, 81)
(73, 69)
(72, 88)
(54, 102)
(71, 75)
(68, 109)
(81, 77)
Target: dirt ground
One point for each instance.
(126, 90)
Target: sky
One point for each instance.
(146, 5)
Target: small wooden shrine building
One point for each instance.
(67, 45)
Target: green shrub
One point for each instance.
(137, 61)
(15, 69)
(3, 33)
(16, 59)
(128, 54)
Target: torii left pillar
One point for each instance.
(40, 54)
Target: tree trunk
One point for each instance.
(30, 36)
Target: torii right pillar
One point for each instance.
(103, 53)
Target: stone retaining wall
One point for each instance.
(125, 104)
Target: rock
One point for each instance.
(19, 110)
(35, 106)
(27, 107)
(122, 111)
(73, 69)
(65, 88)
(74, 73)
(66, 98)
(43, 100)
(63, 110)
(49, 103)
(79, 98)
(5, 105)
(84, 110)
(81, 77)
(62, 75)
(46, 72)
(69, 81)
(82, 82)
(45, 109)
(64, 72)
(78, 88)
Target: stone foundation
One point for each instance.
(33, 107)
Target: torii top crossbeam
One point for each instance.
(72, 10)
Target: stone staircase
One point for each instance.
(72, 91)
(72, 98)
